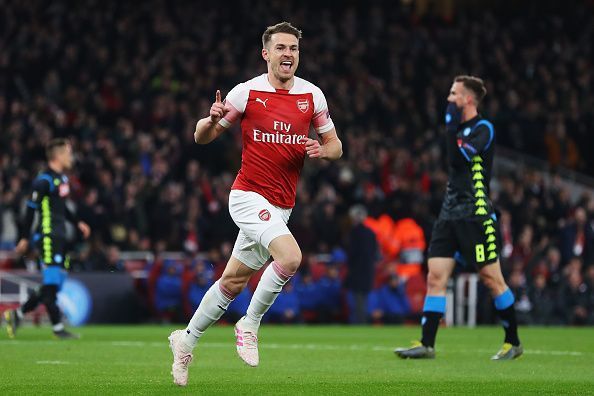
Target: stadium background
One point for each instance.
(127, 82)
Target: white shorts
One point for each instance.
(259, 223)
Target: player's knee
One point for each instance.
(292, 261)
(496, 284)
(487, 280)
(233, 284)
(436, 281)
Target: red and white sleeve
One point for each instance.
(321, 119)
(235, 102)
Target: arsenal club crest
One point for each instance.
(264, 215)
(303, 105)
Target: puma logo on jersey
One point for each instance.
(262, 101)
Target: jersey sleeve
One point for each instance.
(41, 187)
(478, 140)
(321, 119)
(235, 102)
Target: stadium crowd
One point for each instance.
(127, 82)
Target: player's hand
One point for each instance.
(217, 110)
(84, 229)
(22, 246)
(314, 149)
(453, 117)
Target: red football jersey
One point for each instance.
(274, 127)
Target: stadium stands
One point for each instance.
(127, 82)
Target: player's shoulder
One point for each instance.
(258, 83)
(239, 95)
(302, 86)
(44, 180)
(484, 124)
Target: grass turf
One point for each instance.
(297, 360)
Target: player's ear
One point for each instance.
(265, 54)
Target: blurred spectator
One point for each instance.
(330, 305)
(388, 304)
(572, 300)
(577, 238)
(201, 281)
(168, 292)
(309, 294)
(542, 301)
(362, 252)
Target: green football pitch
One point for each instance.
(297, 360)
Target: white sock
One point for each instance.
(58, 327)
(270, 285)
(19, 313)
(211, 308)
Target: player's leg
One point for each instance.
(213, 305)
(504, 304)
(442, 248)
(440, 269)
(14, 317)
(216, 300)
(287, 258)
(53, 279)
(29, 305)
(49, 298)
(266, 231)
(54, 260)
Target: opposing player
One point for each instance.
(467, 222)
(50, 190)
(276, 110)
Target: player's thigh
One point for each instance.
(248, 252)
(257, 218)
(444, 243)
(53, 259)
(236, 272)
(479, 241)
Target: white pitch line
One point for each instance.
(51, 362)
(317, 347)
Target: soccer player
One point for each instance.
(276, 110)
(467, 222)
(50, 190)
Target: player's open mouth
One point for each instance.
(286, 66)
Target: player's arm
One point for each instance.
(40, 189)
(72, 217)
(330, 148)
(478, 141)
(453, 117)
(208, 128)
